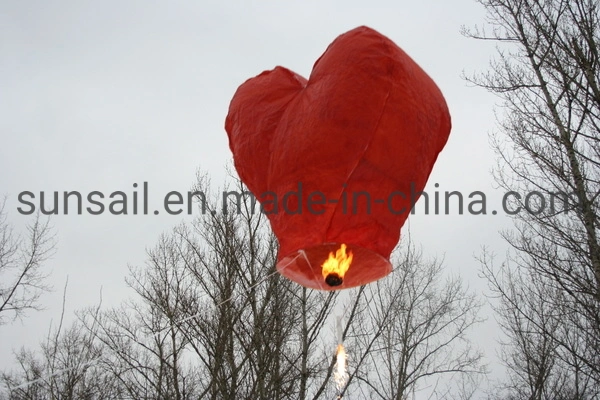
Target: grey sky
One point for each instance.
(101, 95)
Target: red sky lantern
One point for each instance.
(337, 161)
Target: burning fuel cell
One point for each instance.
(333, 266)
(336, 265)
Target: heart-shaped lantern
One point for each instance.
(338, 161)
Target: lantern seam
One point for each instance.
(360, 159)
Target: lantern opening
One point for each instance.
(305, 266)
(336, 265)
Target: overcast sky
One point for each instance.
(102, 95)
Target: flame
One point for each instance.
(337, 264)
(340, 376)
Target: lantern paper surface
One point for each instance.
(339, 158)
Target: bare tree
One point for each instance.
(255, 333)
(211, 318)
(22, 277)
(416, 329)
(537, 366)
(66, 367)
(547, 72)
(144, 349)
